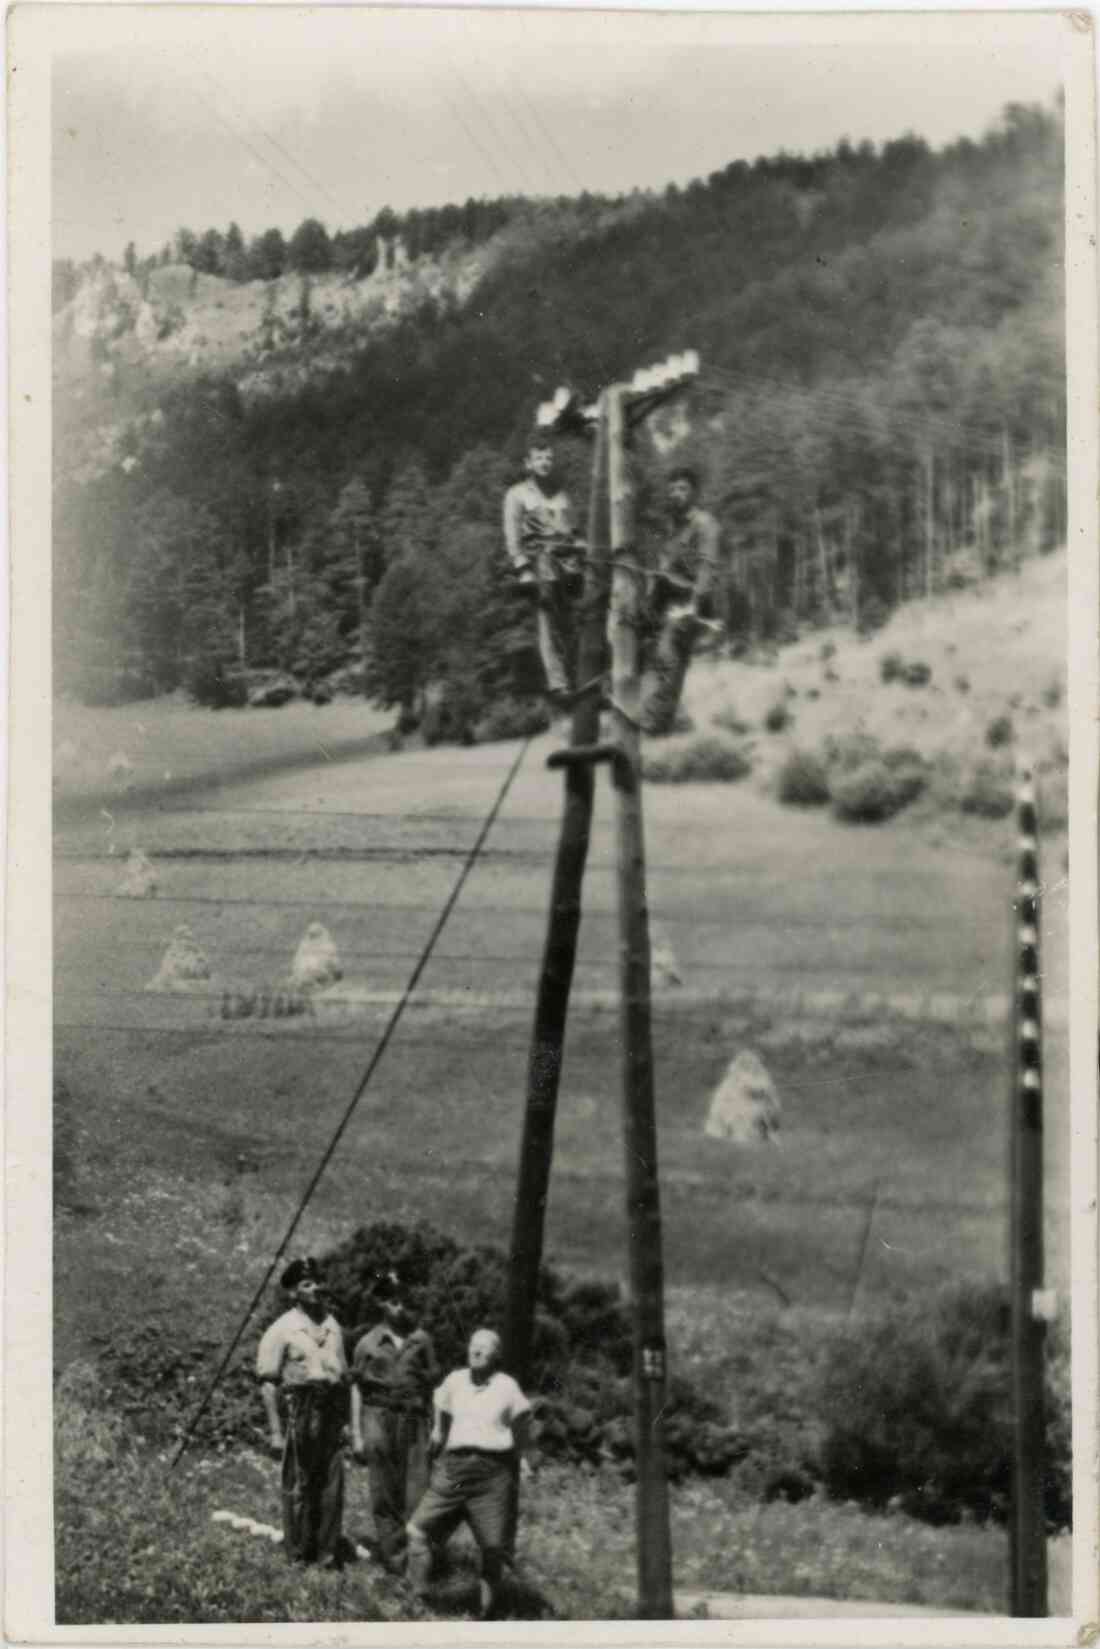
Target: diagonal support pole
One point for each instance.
(560, 950)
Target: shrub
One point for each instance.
(510, 718)
(987, 793)
(707, 758)
(865, 794)
(826, 651)
(851, 750)
(869, 784)
(1052, 693)
(999, 732)
(730, 722)
(962, 683)
(872, 616)
(778, 717)
(891, 667)
(803, 780)
(916, 1408)
(917, 673)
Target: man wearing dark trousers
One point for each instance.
(301, 1359)
(684, 589)
(480, 1429)
(393, 1373)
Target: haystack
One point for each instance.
(316, 961)
(184, 967)
(664, 969)
(139, 880)
(744, 1108)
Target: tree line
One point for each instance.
(881, 413)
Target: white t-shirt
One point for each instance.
(481, 1416)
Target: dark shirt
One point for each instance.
(394, 1372)
(691, 556)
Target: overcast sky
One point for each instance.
(169, 116)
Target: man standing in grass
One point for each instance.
(481, 1426)
(301, 1357)
(547, 553)
(683, 590)
(393, 1372)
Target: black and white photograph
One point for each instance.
(553, 674)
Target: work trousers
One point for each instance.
(471, 1485)
(560, 579)
(313, 1473)
(676, 632)
(396, 1445)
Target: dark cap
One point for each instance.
(300, 1271)
(387, 1285)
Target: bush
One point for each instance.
(708, 758)
(778, 717)
(879, 788)
(999, 732)
(891, 667)
(916, 1409)
(511, 719)
(873, 615)
(865, 795)
(729, 721)
(917, 673)
(582, 1347)
(803, 780)
(1052, 693)
(962, 683)
(987, 793)
(847, 751)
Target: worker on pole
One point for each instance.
(681, 597)
(547, 554)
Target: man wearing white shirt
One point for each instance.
(480, 1428)
(302, 1356)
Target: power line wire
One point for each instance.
(251, 122)
(256, 153)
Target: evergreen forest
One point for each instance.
(880, 415)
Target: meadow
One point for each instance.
(868, 968)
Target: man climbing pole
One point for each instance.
(547, 553)
(682, 596)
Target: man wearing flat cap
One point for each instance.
(301, 1357)
(393, 1374)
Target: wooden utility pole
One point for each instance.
(1029, 1303)
(639, 1121)
(560, 950)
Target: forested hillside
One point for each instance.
(880, 412)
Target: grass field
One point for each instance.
(859, 963)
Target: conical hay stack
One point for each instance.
(184, 966)
(663, 967)
(316, 961)
(139, 879)
(744, 1108)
